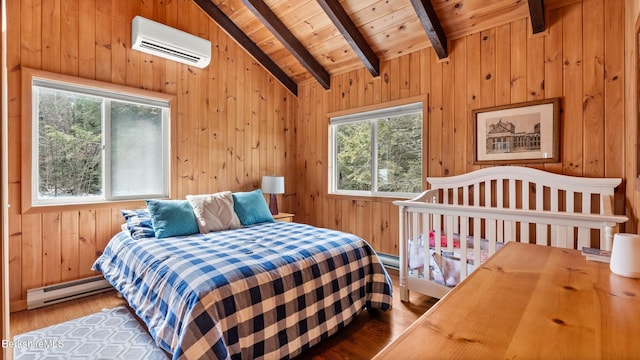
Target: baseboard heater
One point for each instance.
(53, 294)
(389, 261)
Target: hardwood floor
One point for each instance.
(370, 332)
(361, 339)
(28, 320)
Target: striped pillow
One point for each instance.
(139, 223)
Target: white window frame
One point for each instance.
(371, 116)
(108, 92)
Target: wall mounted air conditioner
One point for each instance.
(161, 40)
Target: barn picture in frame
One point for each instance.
(517, 133)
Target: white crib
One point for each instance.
(491, 206)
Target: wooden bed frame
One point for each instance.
(500, 204)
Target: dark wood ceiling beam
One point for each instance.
(282, 33)
(234, 31)
(536, 13)
(432, 26)
(350, 32)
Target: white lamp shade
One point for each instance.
(273, 184)
(625, 255)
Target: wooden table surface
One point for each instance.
(530, 301)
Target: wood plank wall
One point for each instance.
(226, 145)
(4, 283)
(580, 59)
(235, 121)
(632, 106)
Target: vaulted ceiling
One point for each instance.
(310, 40)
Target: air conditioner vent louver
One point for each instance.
(169, 51)
(158, 39)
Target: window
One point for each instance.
(96, 144)
(377, 153)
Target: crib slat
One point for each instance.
(584, 238)
(555, 195)
(500, 193)
(541, 229)
(427, 225)
(449, 231)
(490, 225)
(539, 197)
(512, 194)
(487, 193)
(476, 194)
(584, 234)
(510, 226)
(456, 202)
(541, 235)
(403, 241)
(437, 231)
(413, 229)
(560, 235)
(464, 221)
(477, 258)
(477, 242)
(570, 208)
(570, 201)
(524, 226)
(500, 205)
(606, 237)
(554, 198)
(477, 227)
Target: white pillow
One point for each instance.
(214, 212)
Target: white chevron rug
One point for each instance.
(109, 334)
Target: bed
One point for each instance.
(267, 290)
(470, 217)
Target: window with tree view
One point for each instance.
(377, 153)
(93, 145)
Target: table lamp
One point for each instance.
(273, 185)
(625, 255)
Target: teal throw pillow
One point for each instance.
(172, 218)
(251, 207)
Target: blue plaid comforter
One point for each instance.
(267, 291)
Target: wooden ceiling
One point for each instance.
(310, 40)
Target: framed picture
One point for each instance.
(518, 133)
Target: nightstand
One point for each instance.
(284, 217)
